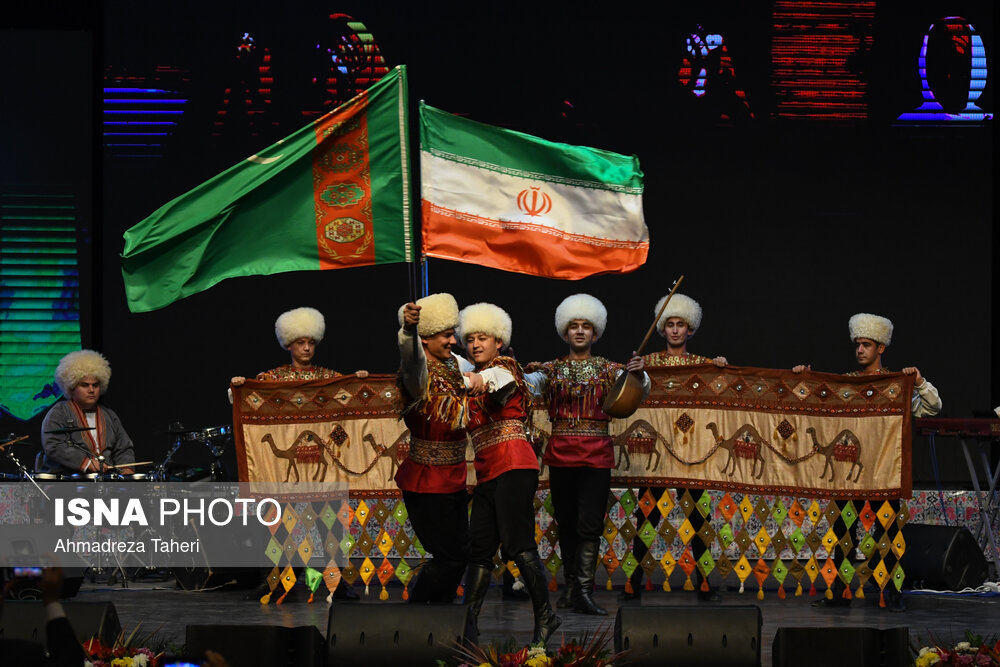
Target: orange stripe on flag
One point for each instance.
(342, 192)
(523, 247)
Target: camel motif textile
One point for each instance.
(769, 431)
(335, 430)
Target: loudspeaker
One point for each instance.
(836, 647)
(26, 620)
(701, 636)
(942, 557)
(253, 645)
(394, 633)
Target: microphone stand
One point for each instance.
(9, 452)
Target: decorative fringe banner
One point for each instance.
(771, 442)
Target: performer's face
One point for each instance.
(482, 348)
(580, 335)
(867, 351)
(677, 331)
(87, 393)
(439, 345)
(302, 350)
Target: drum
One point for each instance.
(48, 477)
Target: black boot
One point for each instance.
(565, 600)
(477, 582)
(425, 585)
(586, 565)
(838, 599)
(534, 578)
(711, 595)
(448, 582)
(894, 599)
(343, 592)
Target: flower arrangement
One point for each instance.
(974, 652)
(99, 655)
(590, 651)
(124, 652)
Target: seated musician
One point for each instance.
(78, 434)
(871, 335)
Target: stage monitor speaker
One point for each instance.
(836, 647)
(394, 633)
(942, 557)
(253, 645)
(27, 619)
(702, 636)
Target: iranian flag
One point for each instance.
(515, 202)
(333, 195)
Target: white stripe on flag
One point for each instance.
(492, 195)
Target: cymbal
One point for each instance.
(175, 429)
(69, 429)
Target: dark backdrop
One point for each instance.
(783, 230)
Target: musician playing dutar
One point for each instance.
(101, 441)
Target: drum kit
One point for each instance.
(214, 438)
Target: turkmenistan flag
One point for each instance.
(333, 195)
(515, 202)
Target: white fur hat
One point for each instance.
(437, 313)
(680, 306)
(75, 366)
(875, 327)
(581, 307)
(299, 323)
(485, 318)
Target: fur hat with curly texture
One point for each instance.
(78, 365)
(485, 318)
(581, 307)
(299, 323)
(875, 327)
(437, 313)
(680, 306)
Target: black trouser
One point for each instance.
(503, 513)
(639, 549)
(441, 523)
(580, 503)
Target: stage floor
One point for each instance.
(161, 606)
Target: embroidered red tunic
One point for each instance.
(575, 391)
(435, 462)
(498, 432)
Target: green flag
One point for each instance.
(335, 194)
